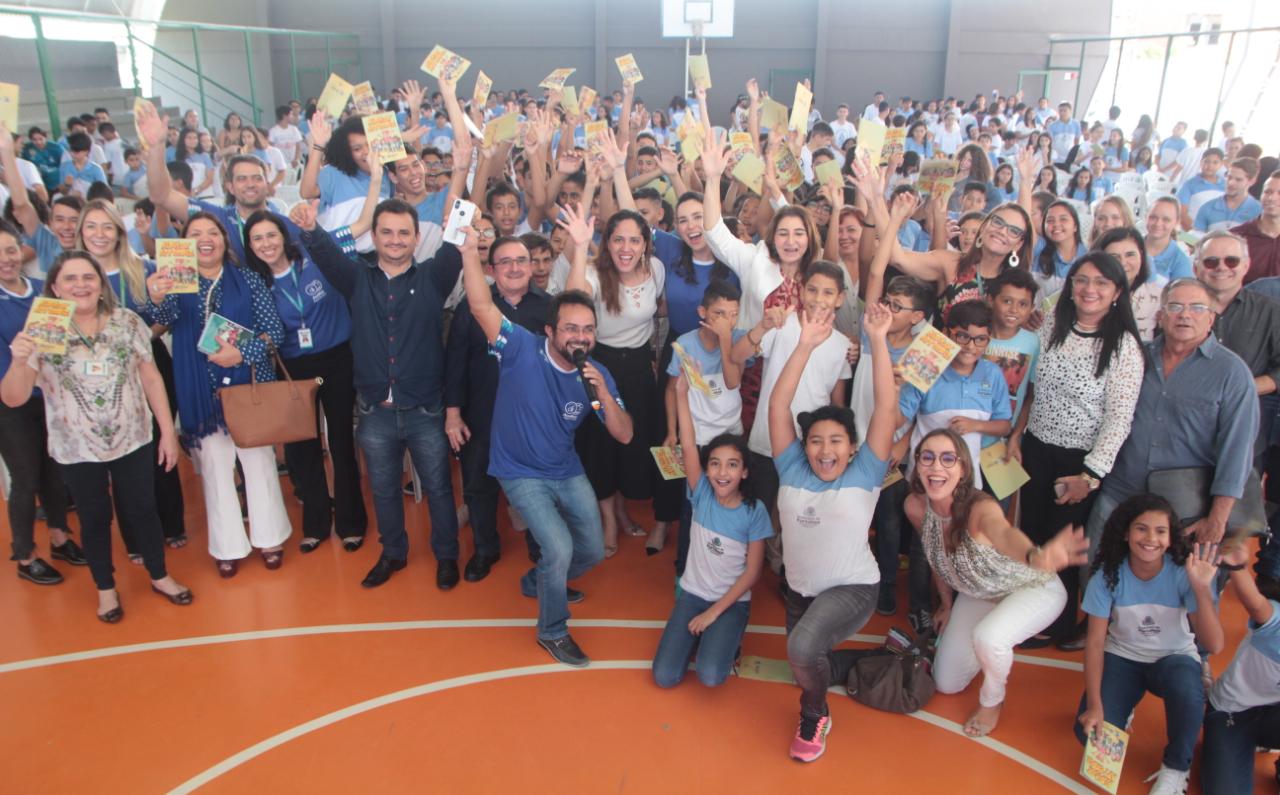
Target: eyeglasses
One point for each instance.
(1097, 282)
(486, 234)
(928, 457)
(1015, 232)
(894, 306)
(1175, 308)
(1213, 263)
(507, 262)
(964, 338)
(576, 329)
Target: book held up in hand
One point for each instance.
(445, 64)
(219, 329)
(333, 100)
(668, 460)
(1103, 760)
(555, 81)
(1004, 477)
(365, 100)
(176, 258)
(926, 357)
(937, 176)
(49, 324)
(627, 66)
(382, 132)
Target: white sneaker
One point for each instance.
(1169, 781)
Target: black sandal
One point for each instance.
(177, 542)
(308, 545)
(352, 543)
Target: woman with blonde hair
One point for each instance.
(102, 233)
(1111, 212)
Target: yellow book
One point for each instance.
(595, 131)
(382, 131)
(691, 147)
(894, 139)
(49, 324)
(176, 258)
(1004, 477)
(689, 127)
(891, 477)
(871, 135)
(365, 100)
(926, 357)
(692, 371)
(9, 106)
(627, 67)
(555, 80)
(789, 174)
(937, 176)
(502, 129)
(569, 100)
(480, 94)
(700, 71)
(445, 64)
(827, 171)
(773, 114)
(765, 669)
(739, 145)
(1104, 757)
(670, 465)
(586, 99)
(750, 172)
(333, 100)
(800, 109)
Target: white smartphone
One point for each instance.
(460, 216)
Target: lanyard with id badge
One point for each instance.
(93, 367)
(305, 341)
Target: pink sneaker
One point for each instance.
(811, 738)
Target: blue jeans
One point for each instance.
(1230, 742)
(1176, 679)
(384, 434)
(716, 648)
(565, 521)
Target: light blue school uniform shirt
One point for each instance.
(721, 411)
(981, 395)
(1251, 680)
(1064, 135)
(81, 178)
(718, 542)
(46, 246)
(826, 523)
(1173, 262)
(1198, 184)
(1148, 617)
(1215, 214)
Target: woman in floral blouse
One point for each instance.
(100, 396)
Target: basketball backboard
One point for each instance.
(687, 19)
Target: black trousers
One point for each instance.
(345, 509)
(168, 484)
(612, 467)
(91, 485)
(24, 446)
(480, 492)
(668, 495)
(1042, 517)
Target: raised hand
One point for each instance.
(1027, 165)
(6, 139)
(152, 127)
(715, 155)
(815, 327)
(159, 285)
(321, 130)
(413, 93)
(449, 88)
(577, 224)
(775, 316)
(876, 319)
(1202, 564)
(569, 163)
(904, 206)
(303, 216)
(614, 155)
(22, 347)
(668, 163)
(753, 91)
(1068, 548)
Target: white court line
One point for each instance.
(324, 721)
(399, 626)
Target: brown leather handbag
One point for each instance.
(272, 412)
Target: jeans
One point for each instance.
(565, 521)
(1230, 741)
(385, 433)
(1176, 679)
(716, 647)
(24, 446)
(980, 636)
(130, 476)
(889, 521)
(815, 625)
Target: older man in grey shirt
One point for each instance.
(1198, 408)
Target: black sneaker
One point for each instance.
(69, 552)
(887, 602)
(921, 622)
(39, 572)
(565, 651)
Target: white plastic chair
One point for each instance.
(287, 195)
(1129, 178)
(1132, 193)
(1154, 180)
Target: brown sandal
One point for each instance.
(227, 568)
(273, 559)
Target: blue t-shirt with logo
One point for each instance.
(305, 299)
(1148, 617)
(537, 410)
(718, 542)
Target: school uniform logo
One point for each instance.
(315, 289)
(1149, 628)
(809, 518)
(572, 411)
(715, 547)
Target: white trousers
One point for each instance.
(268, 520)
(981, 634)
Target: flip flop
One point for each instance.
(632, 529)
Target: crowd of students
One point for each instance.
(1113, 297)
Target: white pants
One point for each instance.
(981, 634)
(268, 520)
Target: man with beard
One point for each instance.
(540, 403)
(246, 182)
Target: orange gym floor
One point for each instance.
(299, 680)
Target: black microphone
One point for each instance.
(579, 361)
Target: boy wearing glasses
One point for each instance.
(970, 396)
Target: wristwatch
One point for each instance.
(1093, 483)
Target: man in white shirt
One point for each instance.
(948, 138)
(1228, 132)
(842, 127)
(286, 137)
(1188, 163)
(113, 148)
(1112, 122)
(872, 111)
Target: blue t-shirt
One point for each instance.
(718, 542)
(234, 224)
(337, 188)
(14, 308)
(305, 299)
(1174, 145)
(913, 237)
(1250, 680)
(1173, 262)
(1064, 135)
(925, 150)
(431, 209)
(825, 523)
(135, 243)
(1215, 214)
(537, 410)
(1016, 358)
(683, 298)
(125, 297)
(721, 411)
(1148, 617)
(81, 178)
(441, 138)
(1060, 266)
(1198, 184)
(132, 177)
(46, 245)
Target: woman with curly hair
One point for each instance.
(343, 182)
(1145, 621)
(1005, 586)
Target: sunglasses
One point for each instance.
(1213, 263)
(928, 457)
